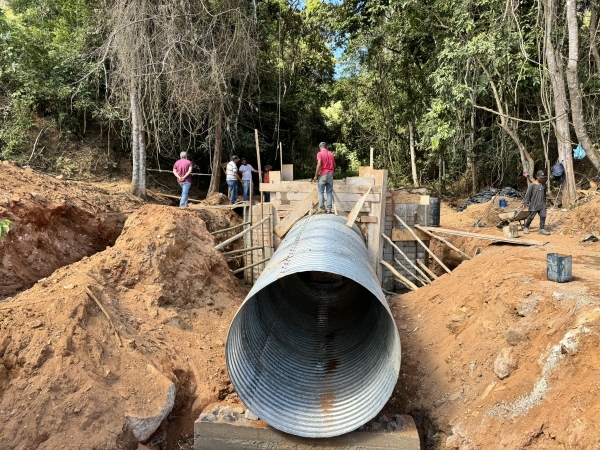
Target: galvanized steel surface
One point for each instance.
(311, 357)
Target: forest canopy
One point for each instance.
(455, 95)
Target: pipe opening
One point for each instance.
(314, 354)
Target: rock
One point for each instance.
(250, 415)
(36, 323)
(383, 420)
(400, 422)
(142, 426)
(207, 417)
(527, 306)
(375, 426)
(505, 363)
(513, 337)
(229, 415)
(420, 191)
(453, 441)
(569, 345)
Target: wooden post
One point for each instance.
(435, 236)
(399, 275)
(371, 157)
(426, 269)
(258, 156)
(281, 158)
(422, 244)
(403, 255)
(239, 235)
(419, 279)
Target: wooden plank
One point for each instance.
(424, 200)
(358, 181)
(488, 237)
(287, 172)
(423, 245)
(354, 213)
(299, 211)
(374, 239)
(444, 241)
(307, 186)
(426, 269)
(397, 274)
(274, 178)
(342, 197)
(405, 235)
(367, 219)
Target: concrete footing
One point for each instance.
(258, 435)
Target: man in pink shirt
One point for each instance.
(324, 173)
(183, 172)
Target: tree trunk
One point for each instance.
(573, 83)
(138, 144)
(526, 159)
(593, 30)
(471, 159)
(215, 179)
(413, 160)
(561, 106)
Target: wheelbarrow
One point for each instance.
(515, 216)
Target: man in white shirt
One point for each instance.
(232, 178)
(246, 171)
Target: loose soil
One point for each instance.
(56, 223)
(453, 331)
(65, 382)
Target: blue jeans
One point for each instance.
(232, 191)
(185, 189)
(246, 185)
(326, 181)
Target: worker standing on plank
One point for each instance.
(267, 180)
(232, 178)
(535, 199)
(182, 169)
(246, 171)
(324, 173)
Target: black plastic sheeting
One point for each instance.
(485, 195)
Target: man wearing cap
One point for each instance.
(182, 169)
(246, 171)
(535, 199)
(232, 178)
(324, 173)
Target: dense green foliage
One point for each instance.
(469, 76)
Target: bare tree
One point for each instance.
(413, 159)
(177, 62)
(561, 105)
(573, 83)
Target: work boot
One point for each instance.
(525, 230)
(544, 232)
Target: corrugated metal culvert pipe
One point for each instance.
(314, 350)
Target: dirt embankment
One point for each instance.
(66, 382)
(498, 316)
(56, 223)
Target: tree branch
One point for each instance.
(514, 118)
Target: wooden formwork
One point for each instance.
(290, 201)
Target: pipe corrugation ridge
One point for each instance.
(315, 358)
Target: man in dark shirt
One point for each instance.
(535, 199)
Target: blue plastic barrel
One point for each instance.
(559, 267)
(502, 203)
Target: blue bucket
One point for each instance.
(502, 203)
(559, 267)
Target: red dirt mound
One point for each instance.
(65, 381)
(497, 316)
(56, 223)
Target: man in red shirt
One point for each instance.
(183, 172)
(324, 173)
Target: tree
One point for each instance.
(573, 84)
(178, 62)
